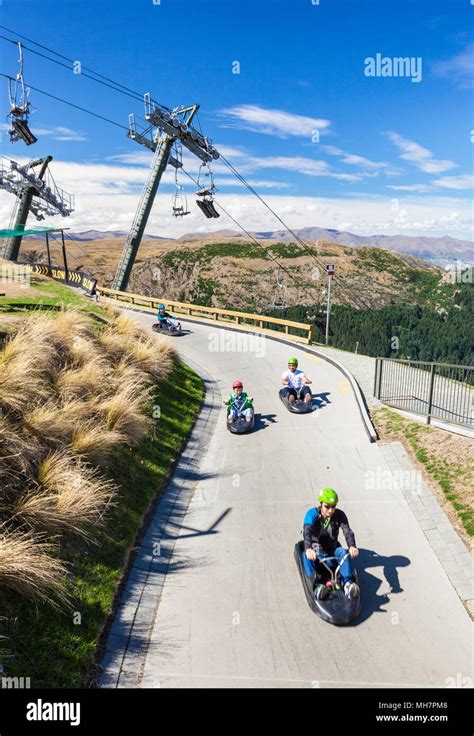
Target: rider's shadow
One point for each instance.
(372, 601)
(262, 421)
(321, 400)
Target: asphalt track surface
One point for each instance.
(233, 612)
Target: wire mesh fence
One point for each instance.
(435, 390)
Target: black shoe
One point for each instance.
(321, 592)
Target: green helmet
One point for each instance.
(293, 361)
(328, 495)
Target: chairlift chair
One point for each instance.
(279, 303)
(20, 107)
(206, 203)
(179, 199)
(180, 203)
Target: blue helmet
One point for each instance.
(161, 306)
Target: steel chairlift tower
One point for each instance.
(36, 193)
(165, 128)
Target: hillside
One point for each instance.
(237, 274)
(438, 251)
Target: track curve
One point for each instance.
(232, 612)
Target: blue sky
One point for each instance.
(394, 154)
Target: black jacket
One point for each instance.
(325, 539)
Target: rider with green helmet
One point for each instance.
(296, 383)
(321, 531)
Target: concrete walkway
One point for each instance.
(214, 598)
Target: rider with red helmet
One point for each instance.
(238, 403)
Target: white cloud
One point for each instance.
(353, 159)
(456, 182)
(445, 182)
(107, 197)
(421, 157)
(58, 133)
(412, 187)
(459, 68)
(272, 122)
(138, 158)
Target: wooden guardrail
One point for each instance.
(253, 322)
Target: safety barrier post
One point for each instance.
(430, 392)
(379, 387)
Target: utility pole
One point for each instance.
(330, 273)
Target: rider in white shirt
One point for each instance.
(296, 383)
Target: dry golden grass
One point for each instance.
(90, 379)
(94, 441)
(70, 397)
(125, 341)
(36, 338)
(124, 411)
(71, 323)
(72, 497)
(21, 384)
(84, 349)
(125, 371)
(112, 345)
(80, 411)
(28, 567)
(151, 356)
(17, 452)
(49, 424)
(127, 327)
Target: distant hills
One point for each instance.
(105, 234)
(435, 250)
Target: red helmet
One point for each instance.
(237, 384)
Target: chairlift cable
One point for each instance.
(249, 235)
(71, 104)
(66, 58)
(297, 237)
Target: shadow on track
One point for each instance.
(372, 602)
(262, 421)
(321, 400)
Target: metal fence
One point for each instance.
(435, 390)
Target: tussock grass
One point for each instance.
(49, 424)
(70, 394)
(126, 371)
(95, 442)
(28, 567)
(71, 497)
(86, 381)
(127, 328)
(84, 349)
(16, 452)
(124, 411)
(151, 356)
(112, 345)
(21, 380)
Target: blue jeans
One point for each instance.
(346, 568)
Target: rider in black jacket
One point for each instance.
(321, 531)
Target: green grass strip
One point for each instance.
(443, 472)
